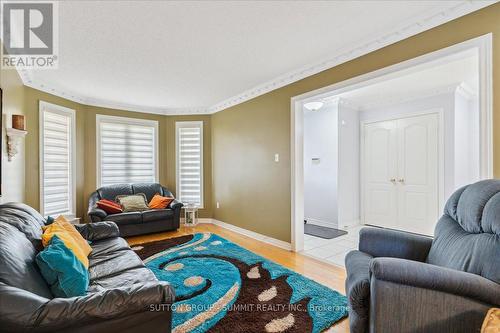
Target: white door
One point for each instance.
(418, 173)
(401, 173)
(380, 169)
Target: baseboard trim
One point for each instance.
(269, 240)
(322, 223)
(349, 224)
(205, 220)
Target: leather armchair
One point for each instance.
(123, 296)
(136, 223)
(402, 282)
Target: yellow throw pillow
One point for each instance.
(70, 237)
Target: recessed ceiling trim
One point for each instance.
(419, 24)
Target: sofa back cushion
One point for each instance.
(149, 189)
(25, 219)
(17, 259)
(112, 191)
(467, 237)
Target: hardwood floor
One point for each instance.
(328, 275)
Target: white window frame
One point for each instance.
(46, 106)
(184, 124)
(124, 120)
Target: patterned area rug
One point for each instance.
(221, 287)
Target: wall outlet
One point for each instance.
(217, 205)
(276, 157)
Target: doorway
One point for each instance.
(422, 119)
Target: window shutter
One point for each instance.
(127, 151)
(57, 161)
(190, 162)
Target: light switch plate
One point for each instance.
(276, 157)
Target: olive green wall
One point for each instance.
(86, 149)
(253, 191)
(13, 103)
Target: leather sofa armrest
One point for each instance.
(105, 305)
(379, 242)
(422, 275)
(98, 230)
(176, 204)
(97, 214)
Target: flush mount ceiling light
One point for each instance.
(313, 106)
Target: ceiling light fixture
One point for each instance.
(313, 106)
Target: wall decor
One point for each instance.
(18, 122)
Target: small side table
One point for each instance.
(190, 215)
(491, 322)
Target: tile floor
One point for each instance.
(332, 250)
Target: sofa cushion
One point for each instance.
(25, 219)
(113, 263)
(126, 278)
(109, 206)
(472, 205)
(112, 191)
(70, 237)
(149, 189)
(108, 245)
(157, 215)
(62, 270)
(467, 237)
(455, 248)
(160, 202)
(125, 218)
(133, 203)
(17, 261)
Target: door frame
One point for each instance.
(484, 46)
(440, 125)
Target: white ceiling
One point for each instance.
(203, 56)
(435, 77)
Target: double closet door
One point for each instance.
(400, 173)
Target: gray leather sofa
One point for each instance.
(124, 296)
(400, 282)
(136, 223)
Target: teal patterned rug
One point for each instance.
(222, 287)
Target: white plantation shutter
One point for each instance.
(127, 150)
(189, 142)
(57, 160)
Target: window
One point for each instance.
(189, 152)
(57, 160)
(126, 150)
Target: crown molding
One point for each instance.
(420, 24)
(441, 15)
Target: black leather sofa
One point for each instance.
(124, 296)
(136, 223)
